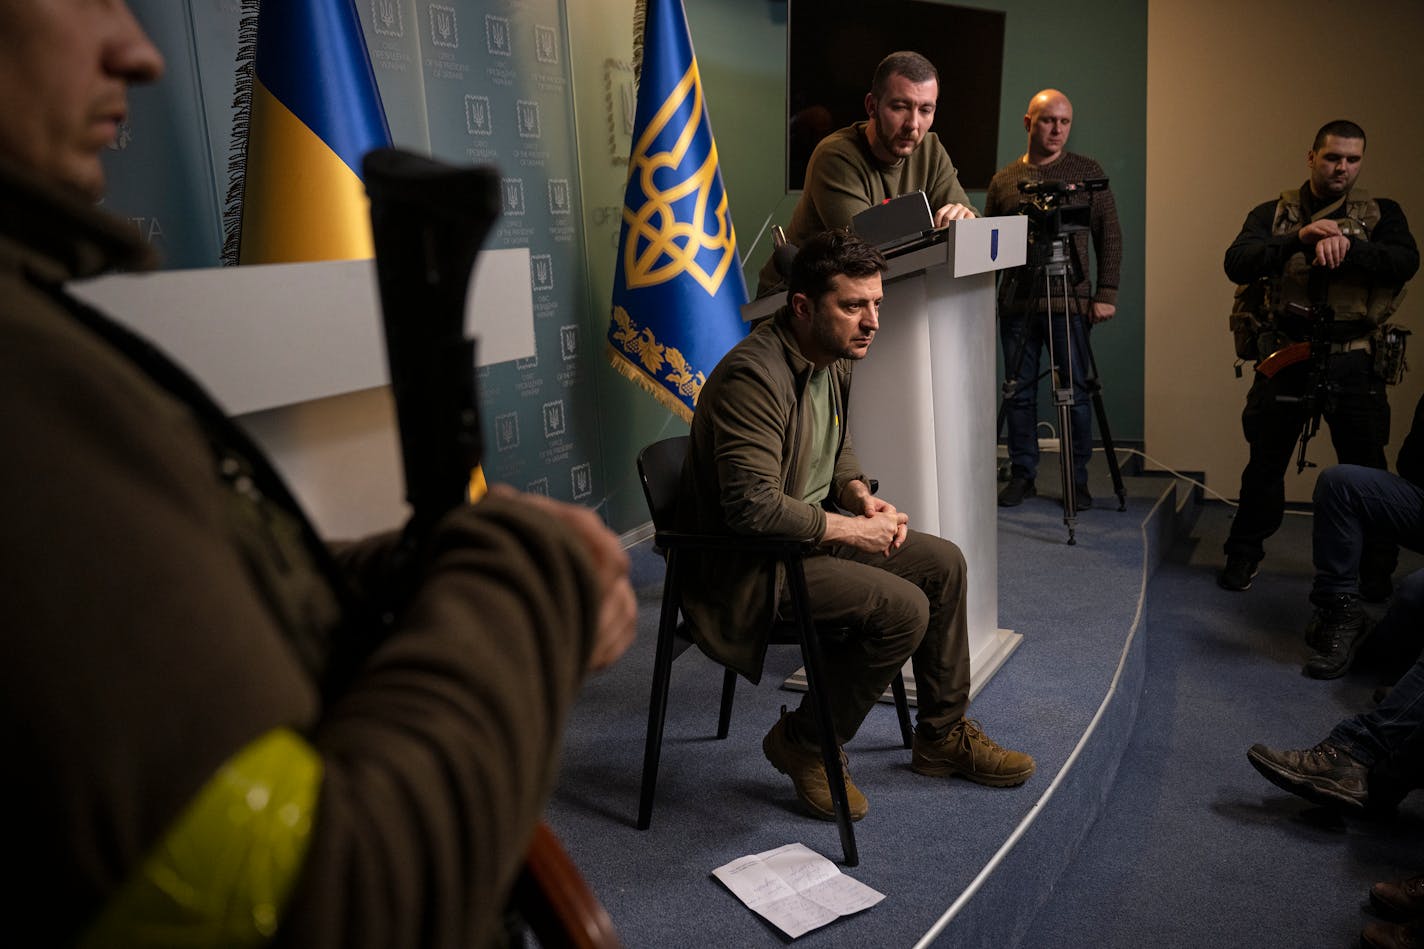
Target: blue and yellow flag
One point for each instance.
(677, 287)
(315, 111)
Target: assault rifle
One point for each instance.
(1316, 348)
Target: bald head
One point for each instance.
(1047, 121)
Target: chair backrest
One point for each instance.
(660, 470)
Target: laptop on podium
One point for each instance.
(896, 222)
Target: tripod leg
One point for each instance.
(1061, 361)
(1065, 465)
(1095, 388)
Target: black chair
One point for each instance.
(660, 470)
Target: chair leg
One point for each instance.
(657, 703)
(729, 692)
(830, 749)
(902, 708)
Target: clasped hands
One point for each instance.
(872, 524)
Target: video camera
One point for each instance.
(1048, 217)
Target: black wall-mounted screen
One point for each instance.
(833, 47)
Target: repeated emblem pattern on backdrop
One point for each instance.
(480, 81)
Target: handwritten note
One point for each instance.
(795, 889)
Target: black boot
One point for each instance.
(1335, 633)
(1018, 488)
(1238, 573)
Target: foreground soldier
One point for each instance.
(177, 767)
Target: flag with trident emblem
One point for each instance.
(677, 286)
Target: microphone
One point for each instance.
(783, 252)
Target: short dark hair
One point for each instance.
(828, 254)
(911, 65)
(1340, 128)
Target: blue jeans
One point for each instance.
(1351, 503)
(1022, 413)
(1395, 728)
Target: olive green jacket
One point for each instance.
(165, 602)
(744, 474)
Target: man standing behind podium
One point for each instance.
(1048, 120)
(892, 153)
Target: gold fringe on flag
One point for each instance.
(640, 23)
(625, 368)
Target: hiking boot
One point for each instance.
(1399, 900)
(808, 774)
(1238, 573)
(1082, 500)
(1016, 490)
(1335, 633)
(1393, 936)
(968, 752)
(1324, 775)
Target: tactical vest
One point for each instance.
(1349, 300)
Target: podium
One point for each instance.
(924, 405)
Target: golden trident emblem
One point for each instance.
(670, 246)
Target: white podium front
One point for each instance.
(923, 407)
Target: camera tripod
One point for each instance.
(1048, 295)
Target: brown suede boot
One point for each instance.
(968, 752)
(808, 774)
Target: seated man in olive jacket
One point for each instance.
(179, 766)
(769, 449)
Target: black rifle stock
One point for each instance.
(429, 221)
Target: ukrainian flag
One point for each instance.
(678, 287)
(315, 112)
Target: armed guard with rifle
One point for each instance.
(221, 730)
(1320, 270)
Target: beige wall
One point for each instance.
(1235, 92)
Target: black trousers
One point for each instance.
(1357, 413)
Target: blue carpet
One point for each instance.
(925, 840)
(1194, 848)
